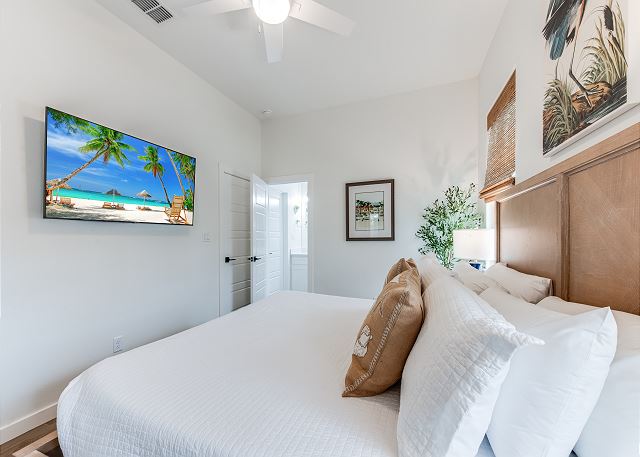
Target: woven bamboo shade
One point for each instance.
(501, 130)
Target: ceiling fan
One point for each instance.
(273, 13)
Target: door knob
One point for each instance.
(228, 259)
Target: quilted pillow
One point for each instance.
(386, 337)
(453, 375)
(398, 267)
(431, 270)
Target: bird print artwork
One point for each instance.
(586, 67)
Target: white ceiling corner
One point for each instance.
(397, 46)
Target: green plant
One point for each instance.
(456, 211)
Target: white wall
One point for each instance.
(67, 287)
(519, 45)
(426, 140)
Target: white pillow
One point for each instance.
(550, 391)
(453, 374)
(528, 287)
(614, 426)
(473, 279)
(430, 270)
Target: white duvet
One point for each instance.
(263, 381)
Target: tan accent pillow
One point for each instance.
(386, 337)
(398, 267)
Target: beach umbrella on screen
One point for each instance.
(113, 193)
(144, 195)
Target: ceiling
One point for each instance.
(397, 46)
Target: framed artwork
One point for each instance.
(592, 67)
(370, 211)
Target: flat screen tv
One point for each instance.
(95, 173)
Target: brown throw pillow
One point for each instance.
(398, 267)
(386, 337)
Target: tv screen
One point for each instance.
(95, 173)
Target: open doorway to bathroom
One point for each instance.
(293, 194)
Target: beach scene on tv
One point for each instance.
(98, 174)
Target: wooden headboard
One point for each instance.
(578, 223)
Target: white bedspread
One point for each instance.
(265, 380)
(262, 381)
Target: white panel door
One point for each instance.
(235, 276)
(259, 202)
(275, 256)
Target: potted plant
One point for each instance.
(457, 211)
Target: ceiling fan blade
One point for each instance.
(213, 7)
(274, 41)
(314, 13)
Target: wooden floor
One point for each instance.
(7, 449)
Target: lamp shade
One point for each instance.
(477, 244)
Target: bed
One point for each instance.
(267, 380)
(236, 386)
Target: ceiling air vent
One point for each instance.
(160, 14)
(146, 5)
(154, 10)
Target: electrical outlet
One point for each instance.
(118, 344)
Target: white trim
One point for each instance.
(286, 268)
(27, 423)
(308, 178)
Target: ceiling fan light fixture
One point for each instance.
(272, 11)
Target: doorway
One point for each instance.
(295, 237)
(265, 237)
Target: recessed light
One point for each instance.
(267, 112)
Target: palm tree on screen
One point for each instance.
(107, 145)
(187, 168)
(170, 154)
(154, 166)
(66, 121)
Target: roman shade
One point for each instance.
(501, 132)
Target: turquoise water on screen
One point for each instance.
(98, 196)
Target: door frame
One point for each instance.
(222, 169)
(308, 178)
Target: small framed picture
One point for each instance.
(370, 211)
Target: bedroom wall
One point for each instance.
(67, 288)
(518, 44)
(425, 140)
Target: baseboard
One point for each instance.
(33, 420)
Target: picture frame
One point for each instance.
(370, 210)
(591, 68)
